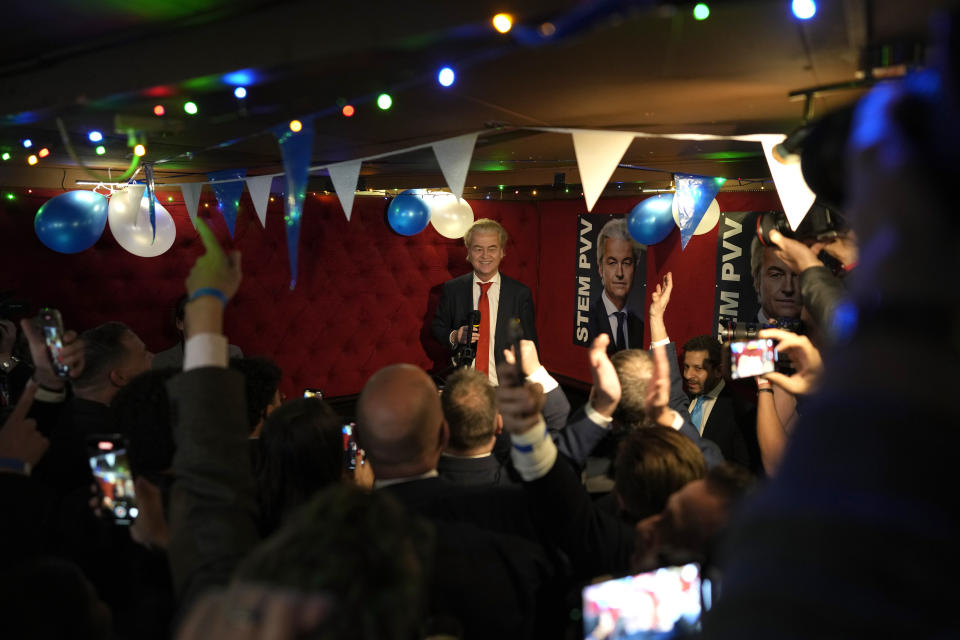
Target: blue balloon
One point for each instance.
(408, 214)
(651, 221)
(71, 222)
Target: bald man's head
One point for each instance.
(400, 422)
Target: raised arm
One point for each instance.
(213, 510)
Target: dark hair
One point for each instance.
(142, 411)
(634, 368)
(262, 381)
(300, 452)
(102, 350)
(652, 463)
(708, 344)
(361, 547)
(470, 408)
(729, 481)
(27, 591)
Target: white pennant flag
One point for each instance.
(259, 188)
(454, 156)
(598, 154)
(344, 176)
(795, 196)
(191, 197)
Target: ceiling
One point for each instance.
(629, 65)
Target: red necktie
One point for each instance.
(483, 344)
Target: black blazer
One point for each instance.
(730, 424)
(456, 302)
(598, 323)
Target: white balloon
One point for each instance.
(707, 222)
(449, 215)
(129, 218)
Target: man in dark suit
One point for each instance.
(498, 298)
(715, 410)
(617, 255)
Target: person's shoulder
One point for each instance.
(506, 282)
(464, 280)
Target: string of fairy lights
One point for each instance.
(241, 83)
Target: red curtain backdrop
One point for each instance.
(365, 295)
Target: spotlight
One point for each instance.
(296, 126)
(701, 11)
(158, 110)
(190, 108)
(384, 101)
(348, 110)
(446, 76)
(95, 136)
(101, 150)
(5, 156)
(27, 143)
(140, 151)
(43, 153)
(804, 9)
(503, 22)
(32, 160)
(240, 93)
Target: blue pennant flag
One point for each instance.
(297, 150)
(228, 193)
(694, 195)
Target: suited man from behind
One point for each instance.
(499, 299)
(617, 256)
(715, 410)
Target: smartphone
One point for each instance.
(749, 358)
(349, 445)
(515, 336)
(111, 470)
(51, 324)
(313, 393)
(665, 603)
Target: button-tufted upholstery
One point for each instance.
(365, 294)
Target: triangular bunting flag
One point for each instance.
(259, 188)
(228, 194)
(693, 198)
(151, 196)
(598, 154)
(344, 178)
(191, 197)
(296, 149)
(454, 156)
(795, 196)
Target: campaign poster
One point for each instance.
(736, 299)
(611, 277)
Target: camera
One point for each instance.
(751, 330)
(820, 224)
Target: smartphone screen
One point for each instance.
(52, 327)
(664, 603)
(349, 445)
(313, 393)
(111, 470)
(750, 358)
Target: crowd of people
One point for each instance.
(463, 512)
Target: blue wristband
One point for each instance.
(209, 291)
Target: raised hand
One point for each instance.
(658, 390)
(19, 438)
(214, 269)
(660, 297)
(605, 393)
(805, 358)
(520, 404)
(796, 255)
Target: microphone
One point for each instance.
(473, 319)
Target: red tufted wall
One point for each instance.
(365, 295)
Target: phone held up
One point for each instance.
(111, 470)
(749, 358)
(313, 393)
(51, 325)
(349, 446)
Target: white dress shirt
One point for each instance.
(612, 311)
(493, 298)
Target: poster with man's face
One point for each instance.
(753, 285)
(611, 278)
